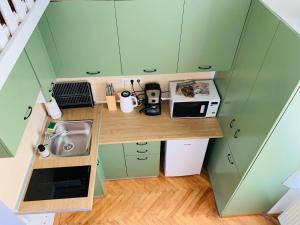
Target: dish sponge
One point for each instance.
(52, 127)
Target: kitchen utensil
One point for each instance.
(111, 98)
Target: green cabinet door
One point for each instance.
(99, 184)
(17, 97)
(142, 165)
(279, 158)
(256, 40)
(85, 37)
(211, 31)
(40, 61)
(113, 161)
(149, 35)
(276, 81)
(223, 173)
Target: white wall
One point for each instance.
(98, 83)
(13, 171)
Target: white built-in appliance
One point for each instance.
(184, 157)
(199, 106)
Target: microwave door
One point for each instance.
(190, 109)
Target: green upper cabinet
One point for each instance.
(41, 63)
(276, 80)
(85, 37)
(211, 30)
(17, 96)
(149, 35)
(256, 40)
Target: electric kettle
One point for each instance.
(127, 101)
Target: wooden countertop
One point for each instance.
(70, 204)
(116, 127)
(119, 127)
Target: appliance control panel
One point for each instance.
(212, 109)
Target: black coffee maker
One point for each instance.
(152, 102)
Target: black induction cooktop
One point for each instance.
(58, 183)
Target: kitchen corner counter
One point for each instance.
(118, 127)
(70, 204)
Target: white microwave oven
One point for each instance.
(204, 104)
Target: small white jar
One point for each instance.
(44, 152)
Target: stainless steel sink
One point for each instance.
(71, 138)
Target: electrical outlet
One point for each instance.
(126, 80)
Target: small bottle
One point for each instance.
(44, 152)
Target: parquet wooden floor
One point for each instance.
(158, 201)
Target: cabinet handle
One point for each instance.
(150, 71)
(236, 134)
(51, 87)
(204, 67)
(142, 158)
(230, 159)
(98, 163)
(138, 151)
(28, 112)
(141, 143)
(93, 73)
(232, 123)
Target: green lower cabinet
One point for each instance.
(113, 161)
(143, 165)
(140, 159)
(223, 173)
(100, 177)
(18, 97)
(40, 61)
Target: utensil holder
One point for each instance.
(111, 103)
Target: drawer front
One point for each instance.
(142, 148)
(142, 165)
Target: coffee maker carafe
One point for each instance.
(152, 100)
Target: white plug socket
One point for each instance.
(126, 80)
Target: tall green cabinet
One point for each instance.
(265, 73)
(149, 34)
